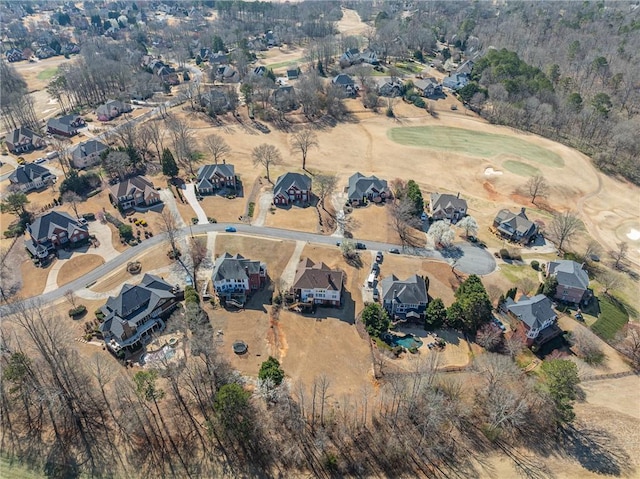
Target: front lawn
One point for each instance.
(613, 316)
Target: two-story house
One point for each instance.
(515, 227)
(235, 277)
(136, 191)
(317, 283)
(87, 153)
(363, 189)
(573, 281)
(137, 312)
(112, 109)
(66, 125)
(447, 207)
(345, 82)
(54, 230)
(292, 188)
(536, 317)
(427, 87)
(212, 178)
(31, 177)
(405, 299)
(22, 140)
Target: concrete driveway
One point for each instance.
(264, 202)
(189, 192)
(170, 202)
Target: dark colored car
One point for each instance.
(394, 251)
(361, 246)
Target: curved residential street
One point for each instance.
(468, 258)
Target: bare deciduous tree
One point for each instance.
(73, 199)
(267, 156)
(182, 140)
(609, 280)
(619, 254)
(629, 343)
(405, 223)
(324, 185)
(489, 336)
(70, 296)
(564, 227)
(587, 346)
(537, 187)
(302, 141)
(217, 146)
(197, 254)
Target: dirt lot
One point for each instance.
(77, 267)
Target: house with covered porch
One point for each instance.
(137, 312)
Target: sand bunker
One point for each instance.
(492, 172)
(633, 234)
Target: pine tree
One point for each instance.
(169, 165)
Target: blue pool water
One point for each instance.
(408, 341)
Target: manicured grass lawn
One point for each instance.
(520, 168)
(514, 273)
(48, 73)
(613, 316)
(410, 67)
(474, 143)
(273, 66)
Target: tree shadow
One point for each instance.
(596, 450)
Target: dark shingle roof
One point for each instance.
(312, 276)
(360, 186)
(288, 180)
(412, 290)
(62, 123)
(130, 186)
(230, 266)
(87, 148)
(343, 79)
(17, 134)
(24, 174)
(444, 201)
(511, 222)
(133, 303)
(532, 311)
(42, 228)
(569, 273)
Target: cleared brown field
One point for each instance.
(77, 267)
(275, 253)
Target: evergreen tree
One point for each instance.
(270, 369)
(435, 315)
(375, 319)
(415, 195)
(169, 165)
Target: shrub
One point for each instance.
(212, 220)
(419, 102)
(535, 265)
(78, 310)
(390, 113)
(504, 254)
(252, 206)
(93, 193)
(191, 295)
(89, 216)
(126, 232)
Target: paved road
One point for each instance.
(470, 258)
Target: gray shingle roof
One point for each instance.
(569, 273)
(360, 186)
(133, 303)
(532, 311)
(236, 266)
(25, 174)
(343, 79)
(442, 202)
(43, 227)
(131, 186)
(510, 222)
(63, 123)
(289, 180)
(207, 172)
(87, 148)
(412, 290)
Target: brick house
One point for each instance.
(317, 283)
(112, 109)
(573, 281)
(136, 191)
(235, 277)
(367, 188)
(536, 318)
(54, 230)
(450, 207)
(212, 178)
(515, 227)
(292, 188)
(66, 125)
(22, 140)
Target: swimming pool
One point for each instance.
(407, 341)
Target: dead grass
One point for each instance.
(150, 260)
(294, 218)
(34, 279)
(77, 267)
(275, 253)
(222, 209)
